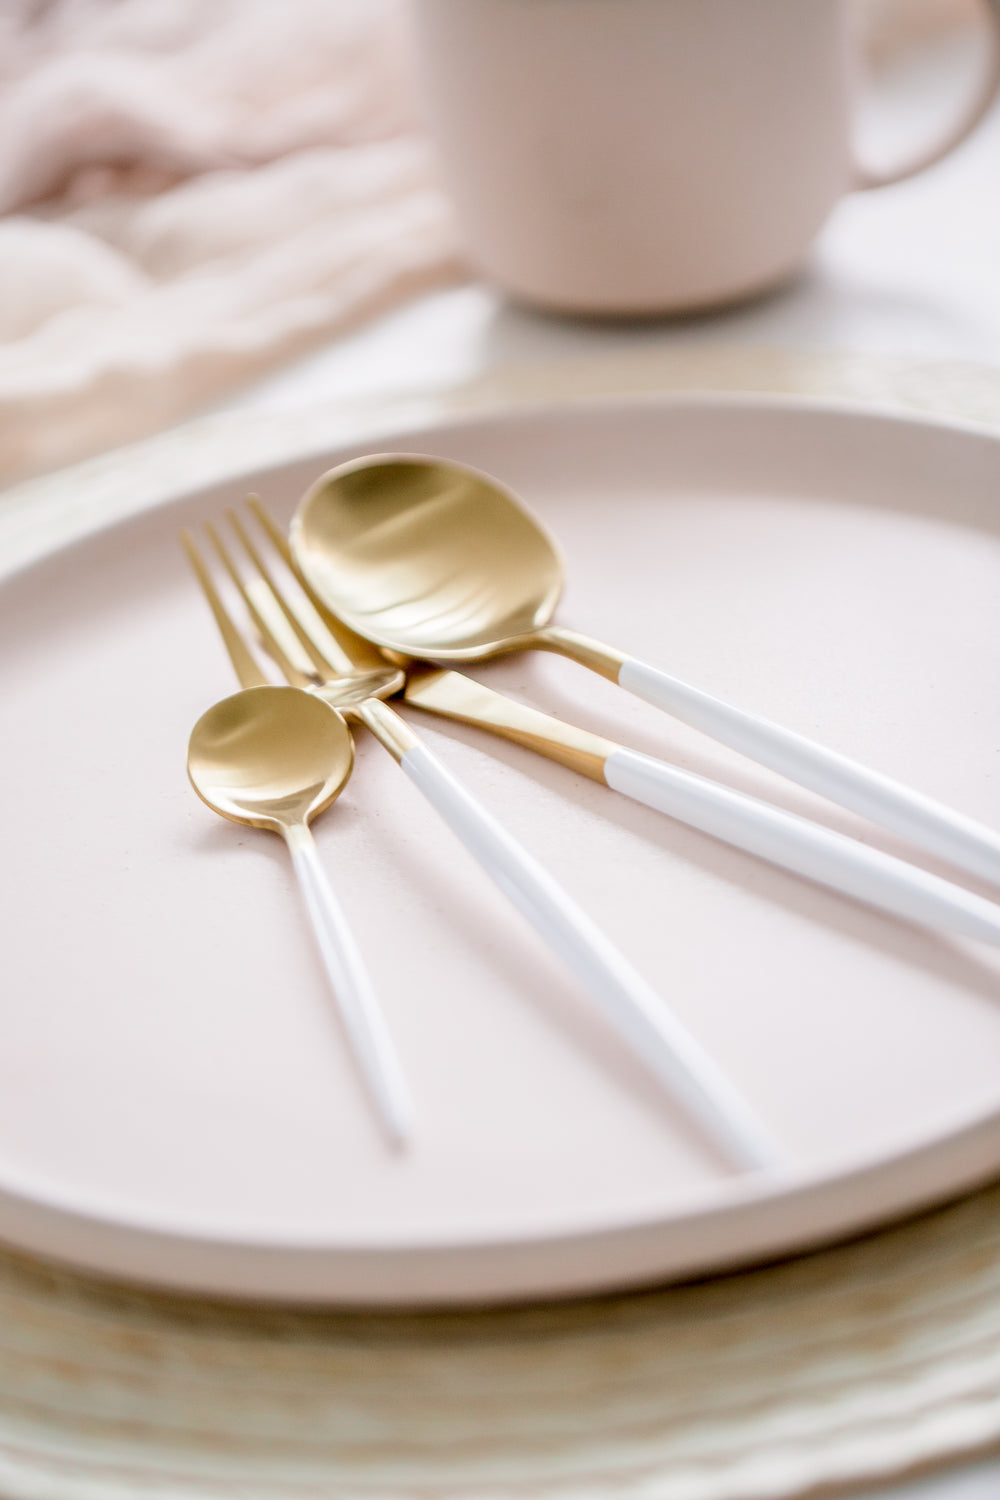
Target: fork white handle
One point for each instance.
(656, 1037)
(928, 824)
(359, 1009)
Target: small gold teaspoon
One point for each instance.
(274, 757)
(436, 561)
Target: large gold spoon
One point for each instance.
(274, 757)
(436, 561)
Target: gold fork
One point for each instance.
(315, 653)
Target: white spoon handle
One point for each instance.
(928, 824)
(804, 847)
(359, 1009)
(656, 1037)
(795, 843)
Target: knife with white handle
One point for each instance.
(785, 839)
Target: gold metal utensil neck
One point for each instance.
(599, 658)
(454, 696)
(386, 725)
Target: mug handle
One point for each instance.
(967, 122)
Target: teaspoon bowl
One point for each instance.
(270, 757)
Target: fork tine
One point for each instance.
(242, 658)
(345, 652)
(274, 531)
(293, 617)
(261, 604)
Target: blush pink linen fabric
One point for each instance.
(193, 193)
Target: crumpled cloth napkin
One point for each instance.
(192, 194)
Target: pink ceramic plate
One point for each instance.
(176, 1103)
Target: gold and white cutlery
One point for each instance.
(795, 843)
(313, 661)
(436, 561)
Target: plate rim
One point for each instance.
(406, 420)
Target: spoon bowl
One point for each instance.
(270, 757)
(427, 558)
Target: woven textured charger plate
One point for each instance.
(842, 1366)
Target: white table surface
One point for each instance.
(911, 270)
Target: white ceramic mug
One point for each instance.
(635, 156)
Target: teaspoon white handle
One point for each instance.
(928, 824)
(359, 1008)
(653, 1034)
